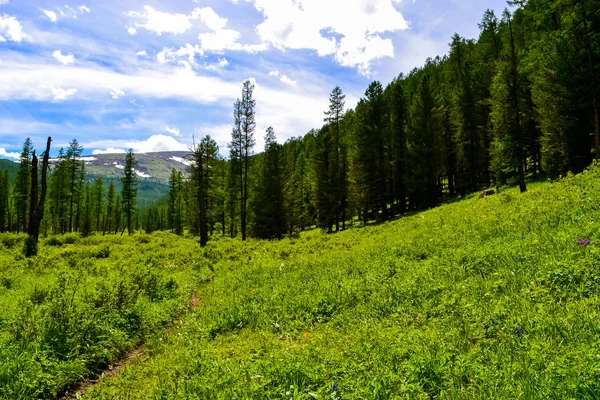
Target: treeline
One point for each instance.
(74, 203)
(518, 103)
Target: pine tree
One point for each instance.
(4, 200)
(507, 108)
(75, 182)
(202, 174)
(175, 208)
(267, 204)
(242, 145)
(129, 191)
(338, 164)
(111, 208)
(98, 201)
(23, 186)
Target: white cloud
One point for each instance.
(3, 1)
(217, 40)
(283, 78)
(131, 30)
(220, 40)
(51, 15)
(170, 55)
(161, 22)
(173, 131)
(276, 107)
(347, 29)
(209, 18)
(109, 150)
(65, 12)
(154, 143)
(223, 63)
(7, 154)
(64, 59)
(60, 94)
(142, 53)
(117, 93)
(11, 28)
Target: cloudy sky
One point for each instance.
(152, 74)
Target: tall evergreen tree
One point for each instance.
(203, 176)
(73, 155)
(4, 200)
(267, 204)
(111, 208)
(98, 201)
(129, 191)
(23, 186)
(338, 164)
(242, 145)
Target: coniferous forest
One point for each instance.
(439, 240)
(519, 103)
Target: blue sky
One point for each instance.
(153, 74)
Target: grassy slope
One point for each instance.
(398, 310)
(389, 311)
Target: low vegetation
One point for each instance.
(484, 298)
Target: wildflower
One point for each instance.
(494, 323)
(486, 326)
(592, 288)
(359, 272)
(500, 331)
(584, 242)
(518, 331)
(521, 259)
(305, 335)
(334, 387)
(271, 287)
(253, 290)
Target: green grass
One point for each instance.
(84, 302)
(389, 311)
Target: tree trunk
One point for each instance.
(36, 208)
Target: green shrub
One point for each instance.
(54, 241)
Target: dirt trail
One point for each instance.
(130, 357)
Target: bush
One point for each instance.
(71, 238)
(54, 241)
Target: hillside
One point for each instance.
(154, 167)
(12, 167)
(490, 298)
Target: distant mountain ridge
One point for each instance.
(155, 167)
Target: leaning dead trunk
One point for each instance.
(36, 206)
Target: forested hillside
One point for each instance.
(516, 104)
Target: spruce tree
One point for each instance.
(242, 146)
(267, 203)
(23, 186)
(129, 191)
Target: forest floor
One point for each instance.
(482, 298)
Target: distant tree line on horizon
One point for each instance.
(518, 103)
(74, 203)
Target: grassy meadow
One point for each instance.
(482, 298)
